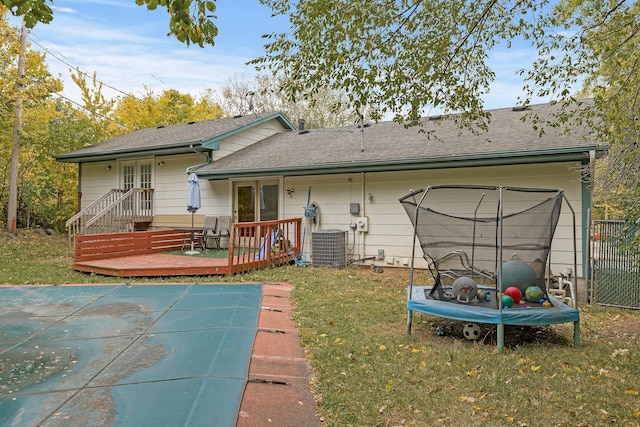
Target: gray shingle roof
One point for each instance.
(175, 137)
(389, 144)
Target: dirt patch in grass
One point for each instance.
(621, 328)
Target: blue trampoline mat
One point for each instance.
(528, 315)
(125, 355)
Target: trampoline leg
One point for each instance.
(576, 333)
(409, 319)
(500, 337)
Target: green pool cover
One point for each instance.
(125, 355)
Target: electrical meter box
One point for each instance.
(363, 223)
(354, 208)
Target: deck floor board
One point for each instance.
(159, 264)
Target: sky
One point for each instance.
(128, 47)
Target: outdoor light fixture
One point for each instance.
(290, 191)
(161, 164)
(108, 168)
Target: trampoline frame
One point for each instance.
(562, 313)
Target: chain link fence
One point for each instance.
(616, 266)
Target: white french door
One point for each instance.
(138, 174)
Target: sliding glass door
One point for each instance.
(257, 200)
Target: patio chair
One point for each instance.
(222, 229)
(209, 226)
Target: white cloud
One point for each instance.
(129, 50)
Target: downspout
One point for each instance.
(206, 156)
(587, 219)
(363, 213)
(79, 207)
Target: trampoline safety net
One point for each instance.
(474, 230)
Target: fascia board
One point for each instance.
(214, 143)
(493, 159)
(129, 153)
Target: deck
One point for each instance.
(156, 265)
(252, 246)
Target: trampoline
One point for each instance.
(482, 243)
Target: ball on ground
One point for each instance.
(471, 331)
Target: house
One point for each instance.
(345, 181)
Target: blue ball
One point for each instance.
(519, 274)
(507, 301)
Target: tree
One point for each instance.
(16, 131)
(170, 107)
(191, 21)
(606, 47)
(241, 96)
(407, 57)
(69, 128)
(401, 57)
(25, 87)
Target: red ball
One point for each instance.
(514, 293)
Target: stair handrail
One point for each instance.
(75, 223)
(119, 202)
(96, 206)
(106, 205)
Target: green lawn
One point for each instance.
(368, 372)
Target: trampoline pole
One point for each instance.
(413, 259)
(500, 337)
(499, 281)
(473, 238)
(576, 333)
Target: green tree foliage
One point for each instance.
(45, 196)
(47, 190)
(35, 171)
(598, 41)
(406, 57)
(170, 107)
(94, 102)
(70, 128)
(34, 11)
(607, 40)
(190, 21)
(402, 57)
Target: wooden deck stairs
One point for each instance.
(118, 211)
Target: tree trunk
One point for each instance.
(12, 207)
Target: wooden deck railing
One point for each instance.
(255, 245)
(115, 212)
(91, 247)
(252, 245)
